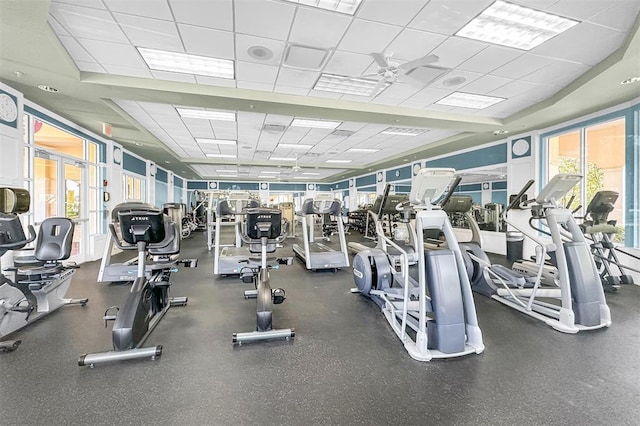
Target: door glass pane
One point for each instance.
(54, 139)
(72, 206)
(45, 189)
(564, 157)
(605, 146)
(72, 181)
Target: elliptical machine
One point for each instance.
(263, 233)
(434, 315)
(40, 281)
(150, 232)
(599, 229)
(575, 300)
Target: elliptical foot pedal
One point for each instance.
(178, 301)
(278, 296)
(9, 345)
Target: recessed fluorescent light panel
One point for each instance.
(206, 115)
(221, 155)
(516, 26)
(343, 6)
(269, 173)
(225, 171)
(216, 141)
(162, 60)
(294, 146)
(316, 124)
(362, 150)
(266, 177)
(338, 161)
(469, 100)
(311, 174)
(227, 176)
(283, 158)
(402, 131)
(349, 86)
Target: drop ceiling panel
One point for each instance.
(585, 43)
(429, 95)
(280, 88)
(56, 27)
(376, 10)
(95, 4)
(523, 65)
(173, 76)
(490, 58)
(412, 44)
(257, 73)
(159, 10)
(151, 33)
(216, 14)
(456, 50)
(244, 42)
(265, 18)
(107, 53)
(439, 17)
(559, 73)
(620, 17)
(515, 88)
(215, 81)
(84, 22)
(90, 67)
(486, 84)
(207, 41)
(366, 37)
(263, 87)
(131, 72)
(77, 52)
(297, 78)
(318, 28)
(580, 10)
(505, 108)
(348, 64)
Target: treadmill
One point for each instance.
(227, 259)
(318, 256)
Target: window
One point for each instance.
(597, 152)
(133, 188)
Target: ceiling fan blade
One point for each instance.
(425, 60)
(358, 76)
(411, 81)
(380, 60)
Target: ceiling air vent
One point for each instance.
(306, 57)
(427, 74)
(274, 127)
(262, 153)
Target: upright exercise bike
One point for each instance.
(148, 231)
(40, 281)
(263, 233)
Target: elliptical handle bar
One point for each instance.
(452, 188)
(517, 198)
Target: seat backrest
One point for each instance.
(54, 240)
(170, 245)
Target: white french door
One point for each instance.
(59, 191)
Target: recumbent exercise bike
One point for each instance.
(40, 281)
(147, 230)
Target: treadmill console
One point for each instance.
(558, 187)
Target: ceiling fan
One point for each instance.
(391, 71)
(296, 168)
